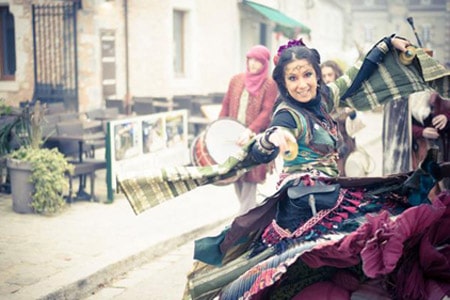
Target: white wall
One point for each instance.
(211, 36)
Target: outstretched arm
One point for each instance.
(381, 77)
(372, 60)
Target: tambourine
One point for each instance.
(291, 152)
(408, 56)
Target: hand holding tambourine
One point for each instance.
(286, 141)
(245, 137)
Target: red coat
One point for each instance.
(258, 114)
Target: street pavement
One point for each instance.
(68, 255)
(162, 278)
(75, 253)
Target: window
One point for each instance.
(179, 42)
(7, 45)
(262, 34)
(108, 56)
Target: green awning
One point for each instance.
(285, 24)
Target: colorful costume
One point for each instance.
(320, 233)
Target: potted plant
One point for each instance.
(37, 175)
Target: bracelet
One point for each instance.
(265, 143)
(385, 45)
(262, 149)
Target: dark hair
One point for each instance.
(332, 64)
(289, 55)
(296, 53)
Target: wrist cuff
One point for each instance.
(265, 143)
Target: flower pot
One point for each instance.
(21, 188)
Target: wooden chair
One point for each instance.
(95, 114)
(217, 98)
(162, 104)
(82, 169)
(183, 102)
(197, 102)
(70, 148)
(82, 166)
(143, 106)
(111, 113)
(116, 103)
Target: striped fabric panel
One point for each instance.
(148, 191)
(430, 68)
(268, 272)
(152, 188)
(392, 80)
(206, 279)
(389, 82)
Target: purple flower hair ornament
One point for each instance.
(291, 43)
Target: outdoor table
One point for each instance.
(81, 139)
(164, 105)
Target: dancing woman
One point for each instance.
(324, 237)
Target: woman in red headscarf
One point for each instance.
(249, 100)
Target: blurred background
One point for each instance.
(83, 52)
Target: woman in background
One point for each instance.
(330, 71)
(249, 100)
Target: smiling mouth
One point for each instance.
(303, 93)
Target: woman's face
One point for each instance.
(254, 65)
(328, 74)
(301, 80)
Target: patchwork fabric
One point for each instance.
(154, 187)
(384, 246)
(392, 80)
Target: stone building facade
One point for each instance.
(371, 19)
(192, 47)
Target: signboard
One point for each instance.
(136, 144)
